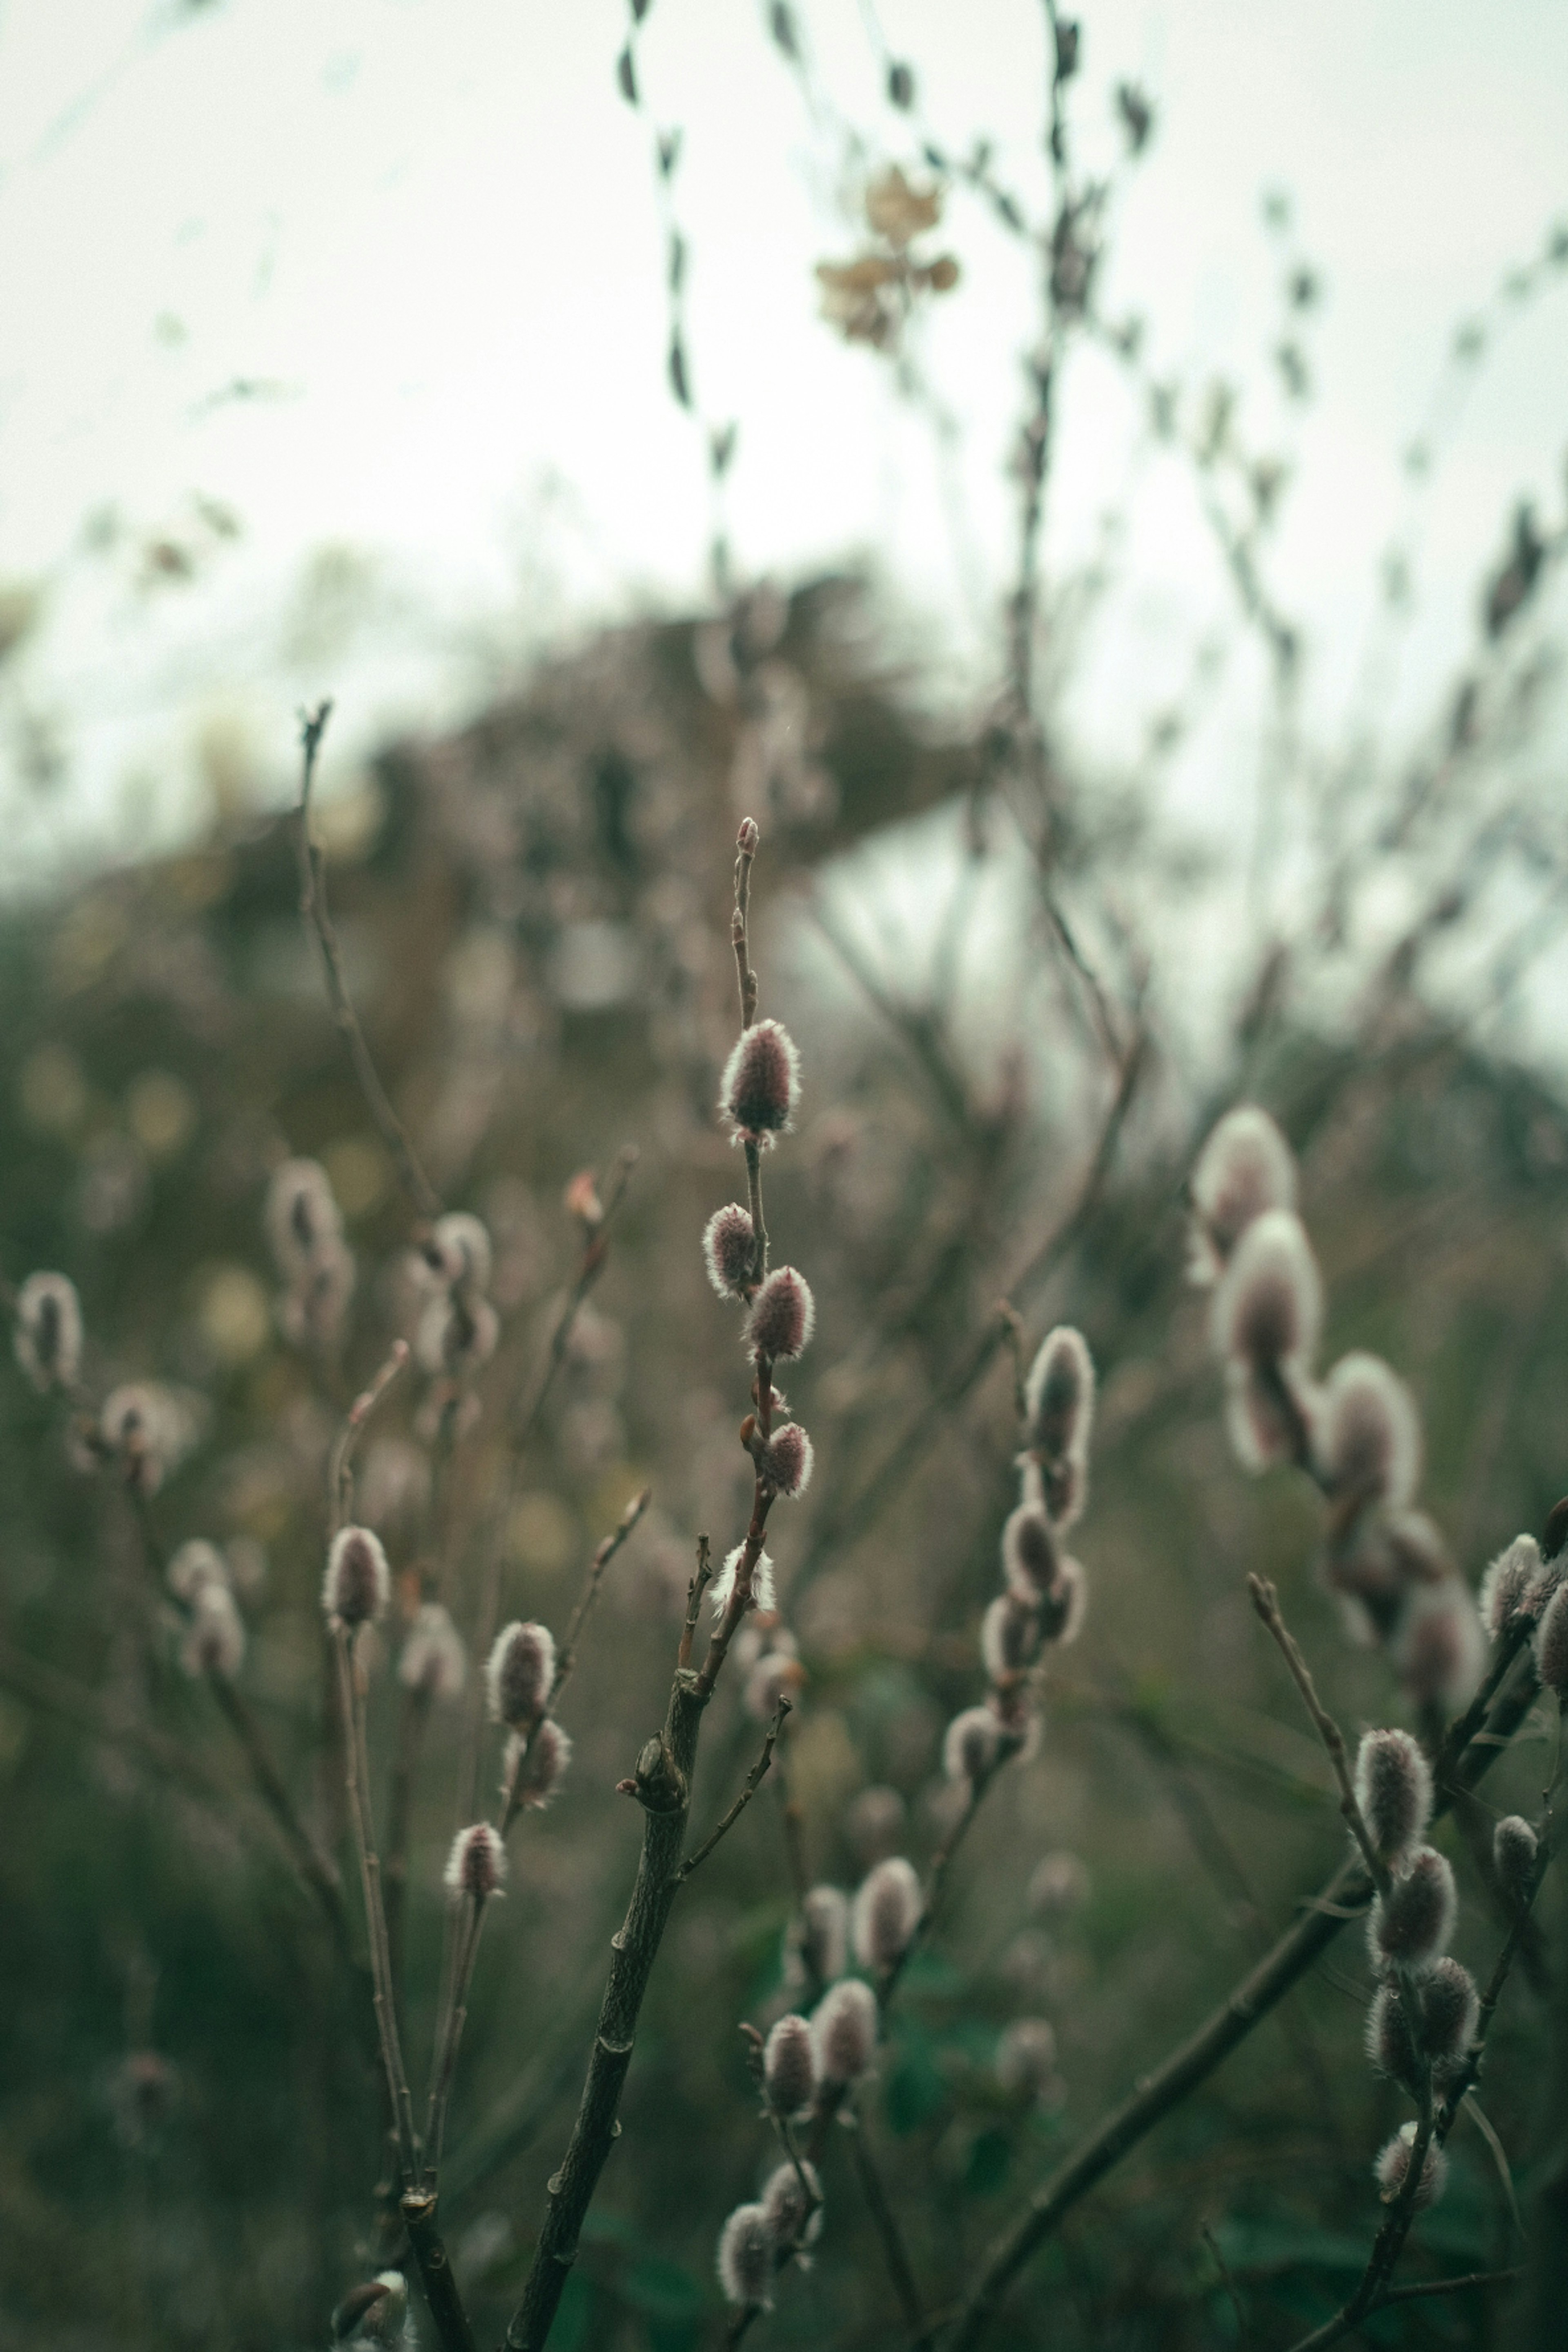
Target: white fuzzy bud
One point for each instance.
(477, 1864)
(1393, 1790)
(213, 1641)
(1394, 2163)
(1366, 1433)
(47, 1339)
(1412, 1923)
(789, 2066)
(434, 1659)
(784, 2202)
(1552, 1643)
(1508, 1586)
(762, 1584)
(457, 1253)
(1514, 1850)
(970, 1745)
(1058, 1417)
(1244, 1170)
(745, 2258)
(302, 1217)
(196, 1564)
(534, 1773)
(519, 1674)
(358, 1582)
(824, 1932)
(844, 2028)
(887, 1908)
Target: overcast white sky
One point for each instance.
(428, 229)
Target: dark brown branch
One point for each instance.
(418, 2210)
(313, 907)
(566, 1656)
(754, 1781)
(1266, 1601)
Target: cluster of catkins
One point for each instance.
(142, 1427)
(1042, 1599)
(758, 1098)
(1355, 1431)
(201, 1580)
(305, 1229)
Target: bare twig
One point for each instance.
(895, 2254)
(357, 1782)
(1266, 1601)
(340, 1472)
(566, 1656)
(754, 1781)
(313, 907)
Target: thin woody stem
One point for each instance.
(467, 1952)
(894, 2251)
(375, 1917)
(340, 1471)
(423, 1194)
(1266, 1601)
(566, 1656)
(754, 1781)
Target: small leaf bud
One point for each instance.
(1366, 1433)
(355, 1588)
(762, 1581)
(1244, 1170)
(785, 2203)
(434, 1659)
(47, 1337)
(760, 1088)
(1552, 1643)
(970, 1745)
(789, 2066)
(1508, 1585)
(786, 1462)
(1025, 2057)
(1393, 1790)
(519, 1672)
(782, 1316)
(196, 1564)
(1394, 2163)
(887, 1908)
(214, 1637)
(1514, 1849)
(477, 1864)
(1411, 1925)
(844, 2028)
(745, 2258)
(728, 1250)
(748, 837)
(825, 1931)
(1059, 1415)
(534, 1773)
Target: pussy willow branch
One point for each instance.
(1470, 1748)
(340, 1470)
(466, 1948)
(752, 1783)
(313, 909)
(1266, 1601)
(356, 1780)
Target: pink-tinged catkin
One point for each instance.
(760, 1091)
(1448, 2008)
(887, 1912)
(1508, 1585)
(1244, 1170)
(1029, 1554)
(1514, 1850)
(789, 2066)
(1393, 1790)
(214, 1640)
(533, 1773)
(729, 1251)
(477, 1864)
(971, 1745)
(1366, 1433)
(785, 2203)
(519, 1672)
(196, 1564)
(786, 1461)
(434, 1660)
(1552, 1643)
(1009, 1639)
(762, 1585)
(47, 1339)
(745, 2258)
(824, 1932)
(1058, 1417)
(1025, 2058)
(844, 2028)
(1268, 1309)
(357, 1582)
(1394, 2163)
(783, 1317)
(1412, 1923)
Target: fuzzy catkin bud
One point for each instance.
(760, 1091)
(1059, 1415)
(785, 2203)
(887, 1913)
(1508, 1585)
(762, 1586)
(1029, 1555)
(1438, 1650)
(1269, 1308)
(519, 1672)
(215, 1638)
(787, 1463)
(1413, 1922)
(355, 1588)
(745, 2258)
(47, 1339)
(534, 1773)
(1244, 1170)
(844, 2028)
(1514, 1849)
(457, 1334)
(196, 1564)
(730, 1250)
(1393, 1790)
(1009, 1639)
(1366, 1433)
(789, 2066)
(477, 1864)
(969, 1745)
(1061, 1610)
(434, 1659)
(1394, 2163)
(300, 1216)
(458, 1252)
(783, 1317)
(1552, 1643)
(825, 1931)
(1448, 2008)
(1027, 2056)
